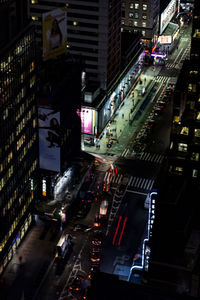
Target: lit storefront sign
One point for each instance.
(167, 15)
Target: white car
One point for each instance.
(103, 208)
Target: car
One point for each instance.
(159, 106)
(95, 257)
(103, 208)
(81, 228)
(95, 250)
(157, 111)
(97, 238)
(77, 284)
(97, 222)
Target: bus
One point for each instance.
(63, 246)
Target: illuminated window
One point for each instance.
(182, 147)
(130, 15)
(194, 173)
(136, 15)
(197, 132)
(144, 16)
(135, 23)
(194, 72)
(75, 23)
(192, 88)
(144, 6)
(179, 170)
(131, 5)
(32, 66)
(136, 6)
(144, 24)
(34, 18)
(185, 131)
(34, 123)
(32, 81)
(34, 1)
(143, 32)
(195, 156)
(198, 115)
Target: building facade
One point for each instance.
(18, 140)
(93, 32)
(142, 16)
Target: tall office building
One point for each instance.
(142, 16)
(18, 130)
(93, 33)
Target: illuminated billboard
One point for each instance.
(87, 116)
(54, 33)
(49, 139)
(165, 39)
(167, 15)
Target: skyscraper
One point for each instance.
(18, 130)
(93, 32)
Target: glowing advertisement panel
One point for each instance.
(167, 15)
(49, 139)
(54, 33)
(165, 39)
(87, 120)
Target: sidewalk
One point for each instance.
(24, 272)
(119, 129)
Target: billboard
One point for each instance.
(87, 116)
(167, 15)
(54, 33)
(49, 139)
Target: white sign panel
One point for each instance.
(167, 15)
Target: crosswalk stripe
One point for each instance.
(134, 179)
(148, 156)
(123, 152)
(130, 180)
(119, 178)
(153, 156)
(149, 184)
(160, 158)
(126, 152)
(135, 183)
(146, 182)
(138, 184)
(142, 183)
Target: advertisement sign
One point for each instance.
(167, 15)
(165, 39)
(87, 120)
(54, 33)
(49, 139)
